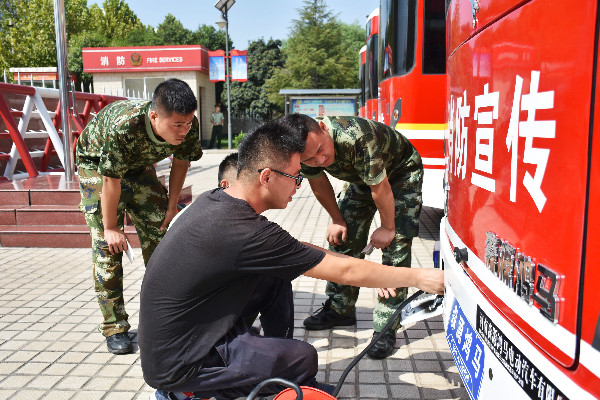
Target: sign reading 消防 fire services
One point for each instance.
(145, 58)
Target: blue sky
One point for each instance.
(248, 19)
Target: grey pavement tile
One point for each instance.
(59, 369)
(372, 377)
(129, 384)
(89, 395)
(367, 391)
(116, 395)
(6, 393)
(7, 368)
(28, 394)
(100, 383)
(428, 366)
(113, 370)
(33, 368)
(73, 357)
(72, 382)
(16, 381)
(405, 392)
(47, 356)
(59, 395)
(22, 356)
(403, 377)
(431, 393)
(44, 381)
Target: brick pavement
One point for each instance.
(50, 348)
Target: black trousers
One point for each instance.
(217, 131)
(242, 359)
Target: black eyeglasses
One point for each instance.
(298, 178)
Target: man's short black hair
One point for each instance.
(267, 146)
(230, 162)
(174, 95)
(298, 125)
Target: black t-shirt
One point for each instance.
(200, 277)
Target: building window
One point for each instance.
(141, 88)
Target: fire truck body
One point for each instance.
(522, 181)
(412, 82)
(362, 59)
(372, 31)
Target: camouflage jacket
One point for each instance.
(120, 138)
(365, 151)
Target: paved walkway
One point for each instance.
(50, 348)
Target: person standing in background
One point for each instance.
(216, 120)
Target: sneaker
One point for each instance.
(384, 346)
(119, 343)
(326, 318)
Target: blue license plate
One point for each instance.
(467, 350)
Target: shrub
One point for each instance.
(237, 139)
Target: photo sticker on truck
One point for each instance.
(527, 375)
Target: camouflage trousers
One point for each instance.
(145, 200)
(358, 209)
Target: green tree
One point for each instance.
(8, 13)
(28, 36)
(353, 37)
(142, 36)
(210, 37)
(115, 20)
(76, 43)
(251, 97)
(172, 32)
(317, 54)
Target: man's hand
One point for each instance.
(386, 292)
(170, 214)
(116, 239)
(337, 232)
(430, 280)
(381, 237)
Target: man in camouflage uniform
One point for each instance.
(115, 157)
(384, 173)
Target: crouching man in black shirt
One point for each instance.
(201, 281)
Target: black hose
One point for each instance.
(375, 339)
(279, 381)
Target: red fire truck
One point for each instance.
(370, 79)
(522, 182)
(362, 59)
(412, 81)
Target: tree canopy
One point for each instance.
(28, 36)
(321, 52)
(251, 97)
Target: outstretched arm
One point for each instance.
(347, 270)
